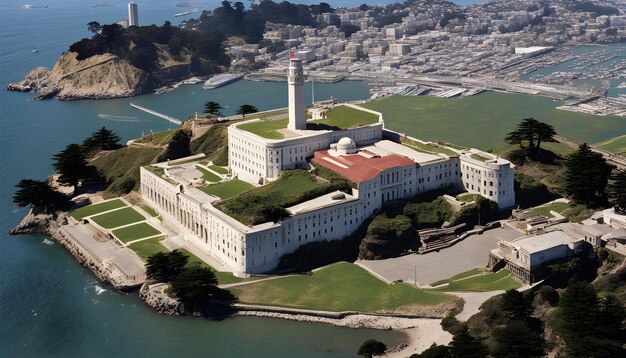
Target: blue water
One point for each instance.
(50, 305)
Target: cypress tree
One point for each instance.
(516, 305)
(586, 175)
(515, 340)
(464, 345)
(616, 190)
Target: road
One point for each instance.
(612, 158)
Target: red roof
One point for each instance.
(359, 168)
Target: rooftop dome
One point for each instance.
(346, 146)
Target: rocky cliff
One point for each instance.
(97, 77)
(102, 76)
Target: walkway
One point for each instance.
(164, 116)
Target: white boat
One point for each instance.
(35, 49)
(185, 13)
(191, 81)
(221, 80)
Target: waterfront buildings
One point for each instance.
(381, 165)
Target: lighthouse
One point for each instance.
(297, 118)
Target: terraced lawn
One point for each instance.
(220, 170)
(147, 248)
(207, 175)
(459, 276)
(545, 210)
(118, 218)
(149, 210)
(227, 189)
(340, 287)
(482, 282)
(93, 209)
(135, 232)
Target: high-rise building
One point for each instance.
(297, 116)
(133, 15)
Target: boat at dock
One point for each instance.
(222, 80)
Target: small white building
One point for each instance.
(524, 256)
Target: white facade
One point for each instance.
(489, 176)
(133, 14)
(295, 80)
(255, 159)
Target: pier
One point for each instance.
(164, 116)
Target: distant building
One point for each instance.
(399, 49)
(123, 23)
(133, 14)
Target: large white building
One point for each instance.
(133, 14)
(382, 166)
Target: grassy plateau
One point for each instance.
(118, 218)
(339, 287)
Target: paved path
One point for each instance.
(468, 254)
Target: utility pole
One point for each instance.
(312, 91)
(415, 275)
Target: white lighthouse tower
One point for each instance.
(297, 118)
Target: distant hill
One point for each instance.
(118, 62)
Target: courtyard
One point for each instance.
(466, 255)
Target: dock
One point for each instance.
(164, 116)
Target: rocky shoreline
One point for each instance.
(52, 224)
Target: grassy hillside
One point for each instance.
(121, 167)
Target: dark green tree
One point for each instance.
(616, 190)
(94, 27)
(532, 132)
(211, 107)
(516, 305)
(71, 164)
(612, 317)
(165, 267)
(544, 133)
(39, 194)
(515, 340)
(102, 139)
(371, 348)
(464, 345)
(246, 109)
(586, 176)
(195, 285)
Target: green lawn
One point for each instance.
(428, 148)
(118, 218)
(293, 187)
(489, 281)
(459, 276)
(340, 287)
(344, 117)
(227, 189)
(482, 121)
(468, 197)
(220, 170)
(148, 209)
(147, 248)
(85, 211)
(545, 210)
(482, 158)
(207, 175)
(266, 129)
(135, 232)
(615, 145)
(222, 277)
